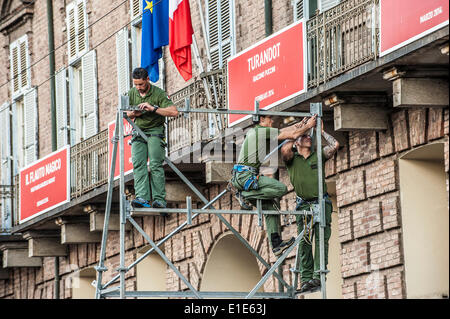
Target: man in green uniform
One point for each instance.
(155, 105)
(251, 186)
(302, 166)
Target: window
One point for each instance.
(77, 35)
(76, 86)
(83, 98)
(19, 133)
(61, 108)
(5, 166)
(19, 60)
(220, 29)
(307, 8)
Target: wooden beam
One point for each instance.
(97, 220)
(420, 92)
(350, 117)
(177, 192)
(45, 243)
(15, 254)
(217, 172)
(79, 234)
(46, 247)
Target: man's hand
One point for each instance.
(133, 114)
(311, 121)
(146, 107)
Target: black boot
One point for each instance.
(278, 245)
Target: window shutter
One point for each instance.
(81, 25)
(213, 32)
(135, 8)
(14, 56)
(298, 10)
(219, 28)
(71, 31)
(328, 4)
(5, 140)
(89, 80)
(23, 63)
(72, 113)
(19, 65)
(123, 61)
(30, 118)
(76, 29)
(61, 108)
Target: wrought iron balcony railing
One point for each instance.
(341, 38)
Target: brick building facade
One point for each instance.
(370, 252)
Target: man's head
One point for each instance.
(266, 121)
(140, 80)
(304, 141)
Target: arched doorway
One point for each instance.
(151, 272)
(230, 267)
(424, 209)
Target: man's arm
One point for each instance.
(332, 146)
(170, 111)
(295, 131)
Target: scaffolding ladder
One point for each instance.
(127, 212)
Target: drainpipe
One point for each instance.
(268, 16)
(51, 49)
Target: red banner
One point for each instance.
(404, 21)
(128, 164)
(272, 71)
(45, 184)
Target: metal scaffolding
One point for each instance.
(127, 213)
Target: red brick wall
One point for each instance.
(368, 198)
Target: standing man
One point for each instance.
(155, 105)
(302, 166)
(251, 186)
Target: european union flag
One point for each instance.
(155, 34)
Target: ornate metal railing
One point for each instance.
(89, 164)
(340, 39)
(185, 131)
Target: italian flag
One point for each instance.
(180, 36)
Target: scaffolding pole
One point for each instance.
(127, 213)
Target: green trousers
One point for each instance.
(269, 189)
(154, 150)
(309, 264)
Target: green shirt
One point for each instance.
(155, 96)
(260, 136)
(303, 175)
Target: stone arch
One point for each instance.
(425, 221)
(230, 266)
